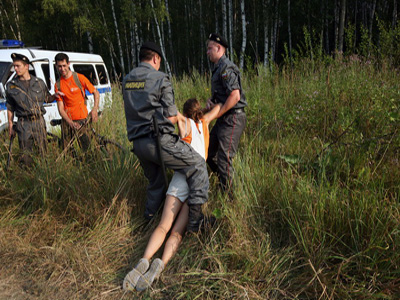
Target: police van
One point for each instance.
(43, 66)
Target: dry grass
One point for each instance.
(315, 216)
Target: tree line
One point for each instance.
(258, 31)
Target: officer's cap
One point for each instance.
(17, 56)
(153, 47)
(215, 37)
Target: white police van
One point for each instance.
(43, 66)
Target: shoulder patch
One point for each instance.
(134, 84)
(224, 75)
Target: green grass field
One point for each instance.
(316, 213)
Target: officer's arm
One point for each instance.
(233, 98)
(167, 101)
(61, 110)
(212, 114)
(10, 115)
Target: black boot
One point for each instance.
(197, 221)
(195, 218)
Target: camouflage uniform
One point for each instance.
(26, 101)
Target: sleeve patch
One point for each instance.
(224, 75)
(134, 85)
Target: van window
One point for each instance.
(88, 71)
(32, 72)
(46, 74)
(4, 71)
(56, 74)
(101, 71)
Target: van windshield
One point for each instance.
(4, 71)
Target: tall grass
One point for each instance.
(315, 216)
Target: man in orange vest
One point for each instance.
(71, 102)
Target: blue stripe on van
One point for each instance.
(101, 91)
(3, 106)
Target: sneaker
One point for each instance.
(132, 277)
(154, 272)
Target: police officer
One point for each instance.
(25, 95)
(226, 89)
(148, 94)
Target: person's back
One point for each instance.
(143, 100)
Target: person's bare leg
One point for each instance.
(171, 209)
(175, 238)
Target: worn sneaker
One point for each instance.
(132, 277)
(154, 272)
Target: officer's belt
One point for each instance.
(30, 118)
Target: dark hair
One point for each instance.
(146, 54)
(61, 57)
(192, 109)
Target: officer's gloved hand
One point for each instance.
(197, 221)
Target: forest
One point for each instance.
(263, 32)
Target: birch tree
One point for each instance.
(230, 28)
(171, 45)
(224, 19)
(90, 41)
(121, 57)
(244, 33)
(274, 31)
(10, 20)
(160, 39)
(336, 24)
(341, 25)
(202, 38)
(216, 15)
(289, 34)
(14, 4)
(266, 31)
(394, 16)
(371, 20)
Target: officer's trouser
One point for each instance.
(178, 156)
(224, 143)
(31, 134)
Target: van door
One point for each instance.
(97, 75)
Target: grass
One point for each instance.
(316, 213)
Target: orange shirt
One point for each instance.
(74, 103)
(206, 133)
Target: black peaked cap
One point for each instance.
(153, 47)
(17, 56)
(218, 39)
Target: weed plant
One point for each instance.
(316, 212)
